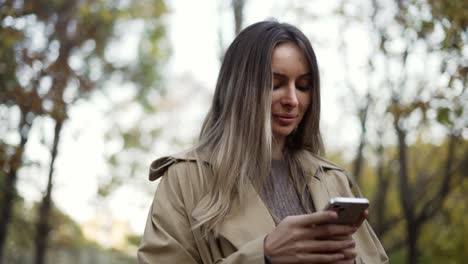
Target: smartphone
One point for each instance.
(349, 209)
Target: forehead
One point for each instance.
(288, 57)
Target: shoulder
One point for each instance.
(327, 164)
(332, 171)
(183, 162)
(182, 179)
(309, 159)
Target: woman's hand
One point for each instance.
(311, 238)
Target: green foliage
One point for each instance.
(443, 116)
(134, 240)
(55, 53)
(443, 27)
(67, 42)
(454, 20)
(443, 237)
(66, 238)
(398, 257)
(66, 233)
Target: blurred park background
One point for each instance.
(91, 91)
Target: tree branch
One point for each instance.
(432, 206)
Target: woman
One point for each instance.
(252, 190)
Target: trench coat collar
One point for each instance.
(159, 166)
(252, 220)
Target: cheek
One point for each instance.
(274, 100)
(304, 102)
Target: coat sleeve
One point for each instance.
(168, 237)
(250, 253)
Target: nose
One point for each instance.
(289, 98)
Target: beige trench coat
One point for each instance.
(168, 238)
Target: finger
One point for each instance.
(331, 230)
(363, 217)
(325, 232)
(310, 233)
(345, 261)
(320, 246)
(317, 218)
(349, 253)
(319, 258)
(340, 238)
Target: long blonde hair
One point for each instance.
(237, 129)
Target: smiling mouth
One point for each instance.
(285, 119)
(285, 116)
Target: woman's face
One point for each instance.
(291, 89)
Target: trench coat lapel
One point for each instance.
(245, 222)
(248, 221)
(253, 220)
(319, 188)
(319, 192)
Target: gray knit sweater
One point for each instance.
(280, 195)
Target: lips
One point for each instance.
(285, 119)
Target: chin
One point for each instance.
(282, 133)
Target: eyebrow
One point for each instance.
(285, 76)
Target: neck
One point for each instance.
(277, 149)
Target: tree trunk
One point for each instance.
(413, 234)
(406, 199)
(358, 161)
(43, 227)
(9, 189)
(362, 114)
(381, 192)
(238, 8)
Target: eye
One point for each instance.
(277, 83)
(303, 84)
